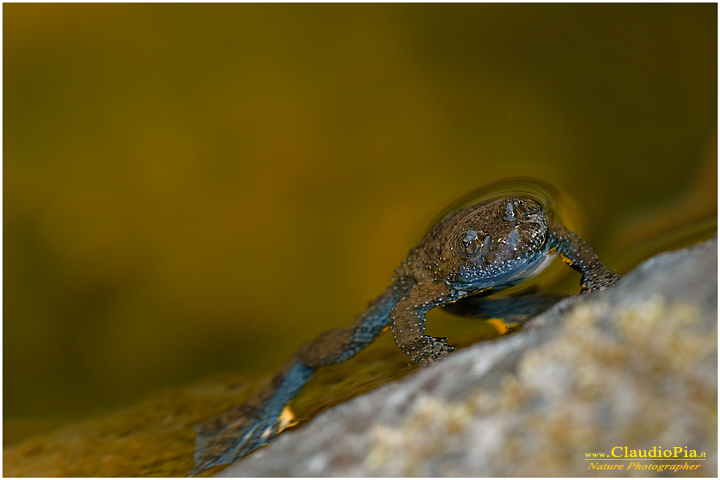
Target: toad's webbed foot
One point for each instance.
(427, 349)
(598, 279)
(239, 431)
(237, 435)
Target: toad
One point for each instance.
(480, 248)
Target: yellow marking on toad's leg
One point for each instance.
(501, 327)
(566, 260)
(287, 419)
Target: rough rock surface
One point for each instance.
(634, 366)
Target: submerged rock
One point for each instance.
(623, 373)
(154, 438)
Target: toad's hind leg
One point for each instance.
(519, 306)
(243, 429)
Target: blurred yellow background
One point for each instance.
(193, 189)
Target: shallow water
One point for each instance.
(198, 189)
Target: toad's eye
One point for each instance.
(522, 207)
(471, 243)
(526, 208)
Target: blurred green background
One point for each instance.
(194, 189)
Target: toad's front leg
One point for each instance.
(575, 252)
(408, 324)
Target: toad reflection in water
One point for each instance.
(479, 248)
